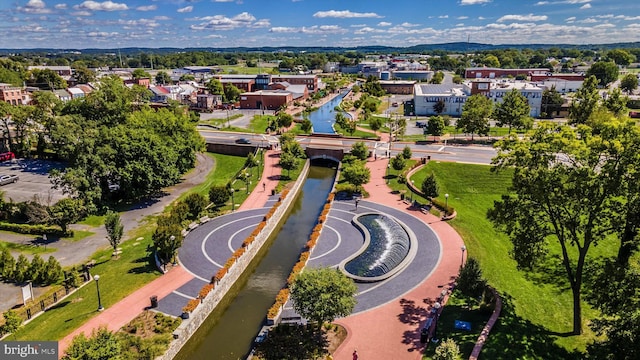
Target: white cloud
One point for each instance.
(283, 29)
(406, 24)
(443, 17)
(35, 7)
(316, 29)
(529, 17)
(462, 17)
(221, 22)
(39, 4)
(101, 6)
(474, 2)
(344, 14)
(384, 23)
(570, 20)
(585, 6)
(81, 13)
(186, 9)
(481, 18)
(358, 25)
(147, 8)
(61, 6)
(223, 0)
(161, 17)
(588, 21)
(214, 36)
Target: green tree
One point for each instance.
(215, 87)
(551, 101)
(470, 282)
(288, 161)
(437, 78)
(475, 115)
(36, 270)
(52, 271)
(406, 153)
(629, 83)
(231, 93)
(621, 57)
(73, 279)
(375, 123)
(284, 119)
(20, 273)
(435, 126)
(585, 101)
(439, 106)
(103, 344)
(398, 162)
(163, 78)
(457, 79)
(66, 211)
(196, 204)
(187, 77)
(356, 173)
(306, 126)
(84, 75)
(616, 102)
(12, 322)
(167, 238)
(429, 186)
(341, 120)
(605, 71)
(491, 61)
(323, 294)
(115, 229)
(447, 350)
(219, 194)
(46, 79)
(7, 265)
(566, 185)
(293, 341)
(360, 150)
(513, 111)
(140, 74)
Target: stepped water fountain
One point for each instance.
(388, 247)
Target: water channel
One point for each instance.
(324, 118)
(227, 334)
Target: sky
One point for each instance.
(78, 24)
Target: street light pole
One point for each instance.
(388, 172)
(96, 278)
(446, 204)
(171, 239)
(436, 317)
(463, 248)
(233, 205)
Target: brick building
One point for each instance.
(397, 86)
(265, 99)
(11, 94)
(496, 73)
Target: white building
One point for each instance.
(426, 96)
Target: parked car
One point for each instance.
(8, 179)
(7, 156)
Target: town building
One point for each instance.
(11, 94)
(397, 86)
(563, 83)
(497, 73)
(265, 99)
(426, 96)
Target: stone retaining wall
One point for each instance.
(209, 303)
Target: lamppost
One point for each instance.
(248, 186)
(173, 250)
(233, 205)
(446, 204)
(463, 248)
(258, 174)
(436, 317)
(96, 278)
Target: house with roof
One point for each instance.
(299, 92)
(159, 94)
(11, 94)
(76, 92)
(62, 94)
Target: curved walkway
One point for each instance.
(119, 314)
(392, 331)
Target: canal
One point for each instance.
(228, 332)
(324, 118)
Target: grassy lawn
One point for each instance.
(121, 277)
(259, 123)
(537, 316)
(358, 133)
(118, 278)
(221, 123)
(78, 235)
(27, 249)
(93, 220)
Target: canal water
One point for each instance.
(324, 118)
(229, 331)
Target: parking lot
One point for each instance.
(34, 182)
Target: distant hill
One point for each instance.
(455, 47)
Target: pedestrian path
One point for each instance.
(392, 331)
(119, 314)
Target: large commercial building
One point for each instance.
(426, 96)
(497, 73)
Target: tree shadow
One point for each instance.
(415, 315)
(147, 265)
(549, 271)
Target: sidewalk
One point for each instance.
(119, 314)
(397, 324)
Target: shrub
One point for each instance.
(220, 274)
(230, 262)
(191, 305)
(35, 229)
(470, 282)
(205, 291)
(219, 194)
(429, 186)
(196, 204)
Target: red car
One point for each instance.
(7, 156)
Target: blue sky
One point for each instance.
(344, 23)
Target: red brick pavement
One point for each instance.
(270, 178)
(384, 332)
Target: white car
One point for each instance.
(8, 179)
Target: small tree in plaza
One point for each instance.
(406, 153)
(219, 194)
(321, 295)
(435, 126)
(475, 115)
(447, 350)
(356, 173)
(360, 150)
(398, 162)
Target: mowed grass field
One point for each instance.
(537, 314)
